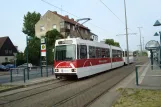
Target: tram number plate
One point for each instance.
(64, 70)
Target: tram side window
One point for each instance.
(119, 53)
(103, 52)
(98, 53)
(92, 52)
(83, 51)
(107, 53)
(114, 53)
(78, 51)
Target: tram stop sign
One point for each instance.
(43, 49)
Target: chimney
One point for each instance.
(55, 12)
(72, 19)
(66, 16)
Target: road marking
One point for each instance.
(143, 74)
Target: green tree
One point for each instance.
(33, 51)
(117, 44)
(30, 19)
(112, 42)
(52, 36)
(20, 59)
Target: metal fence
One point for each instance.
(22, 74)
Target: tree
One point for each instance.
(33, 51)
(30, 19)
(112, 42)
(20, 59)
(52, 36)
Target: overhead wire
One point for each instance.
(70, 13)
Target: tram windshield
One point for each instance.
(65, 53)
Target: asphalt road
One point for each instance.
(69, 93)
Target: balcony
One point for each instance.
(64, 30)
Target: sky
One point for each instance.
(140, 13)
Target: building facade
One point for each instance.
(66, 26)
(7, 50)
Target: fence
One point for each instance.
(19, 74)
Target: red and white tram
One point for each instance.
(82, 58)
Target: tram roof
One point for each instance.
(87, 42)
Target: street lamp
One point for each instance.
(27, 39)
(15, 58)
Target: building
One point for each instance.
(66, 26)
(6, 50)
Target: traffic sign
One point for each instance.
(42, 40)
(43, 49)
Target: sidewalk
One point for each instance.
(148, 79)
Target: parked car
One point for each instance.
(9, 66)
(3, 68)
(25, 65)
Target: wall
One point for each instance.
(2, 58)
(47, 21)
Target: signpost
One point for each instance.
(43, 54)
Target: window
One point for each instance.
(6, 51)
(68, 26)
(98, 53)
(103, 52)
(42, 28)
(10, 51)
(54, 26)
(73, 28)
(107, 53)
(83, 51)
(92, 52)
(78, 51)
(119, 54)
(114, 53)
(65, 53)
(61, 24)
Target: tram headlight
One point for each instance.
(73, 70)
(56, 70)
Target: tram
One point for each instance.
(131, 57)
(81, 58)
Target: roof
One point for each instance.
(2, 40)
(69, 20)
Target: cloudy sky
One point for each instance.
(140, 13)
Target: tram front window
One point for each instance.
(65, 53)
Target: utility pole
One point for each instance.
(143, 43)
(126, 34)
(140, 40)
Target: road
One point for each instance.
(69, 93)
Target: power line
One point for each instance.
(111, 11)
(70, 13)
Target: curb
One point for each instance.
(13, 88)
(27, 85)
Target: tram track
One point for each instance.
(71, 96)
(31, 92)
(103, 83)
(65, 101)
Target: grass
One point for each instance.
(139, 98)
(5, 87)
